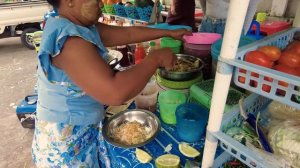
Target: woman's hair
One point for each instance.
(54, 3)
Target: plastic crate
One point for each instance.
(144, 13)
(202, 93)
(287, 95)
(222, 159)
(254, 104)
(119, 10)
(131, 12)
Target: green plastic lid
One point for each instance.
(170, 42)
(152, 43)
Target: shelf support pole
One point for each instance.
(233, 29)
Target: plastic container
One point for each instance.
(202, 38)
(216, 49)
(167, 26)
(148, 97)
(201, 93)
(191, 121)
(168, 102)
(139, 53)
(201, 51)
(272, 27)
(175, 45)
(26, 111)
(178, 84)
(285, 94)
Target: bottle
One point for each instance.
(151, 47)
(139, 53)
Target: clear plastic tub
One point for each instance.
(147, 98)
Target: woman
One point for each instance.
(74, 81)
(215, 14)
(182, 12)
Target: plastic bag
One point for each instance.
(285, 140)
(283, 112)
(274, 161)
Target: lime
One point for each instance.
(142, 156)
(167, 161)
(188, 151)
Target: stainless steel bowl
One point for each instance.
(182, 76)
(144, 117)
(114, 58)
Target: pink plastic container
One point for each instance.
(201, 51)
(271, 27)
(202, 38)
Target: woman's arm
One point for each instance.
(81, 61)
(115, 35)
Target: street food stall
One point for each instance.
(229, 101)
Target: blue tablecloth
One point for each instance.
(127, 159)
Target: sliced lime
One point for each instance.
(188, 151)
(142, 156)
(167, 161)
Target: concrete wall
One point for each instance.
(265, 6)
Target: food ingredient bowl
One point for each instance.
(145, 118)
(114, 57)
(182, 74)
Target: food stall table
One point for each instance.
(121, 157)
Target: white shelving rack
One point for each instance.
(235, 21)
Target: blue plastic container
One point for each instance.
(216, 47)
(191, 121)
(25, 110)
(167, 26)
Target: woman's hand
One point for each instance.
(179, 33)
(164, 57)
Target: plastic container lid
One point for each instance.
(167, 26)
(202, 38)
(216, 47)
(175, 45)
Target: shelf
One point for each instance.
(286, 93)
(243, 76)
(254, 103)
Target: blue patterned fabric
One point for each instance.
(84, 146)
(64, 145)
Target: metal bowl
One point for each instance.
(182, 76)
(114, 58)
(144, 117)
